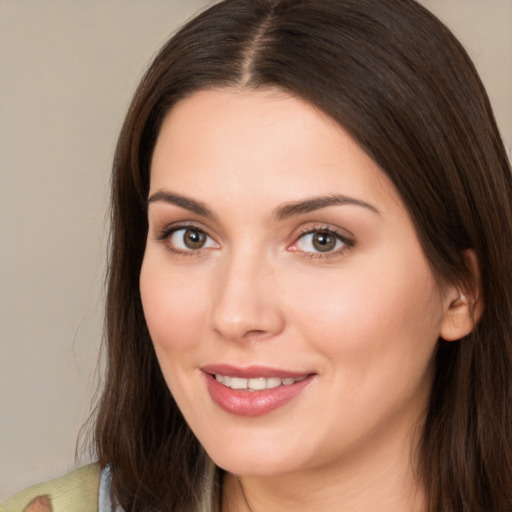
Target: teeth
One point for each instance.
(273, 382)
(223, 379)
(258, 383)
(237, 383)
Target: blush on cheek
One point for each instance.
(173, 318)
(364, 316)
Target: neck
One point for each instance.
(380, 480)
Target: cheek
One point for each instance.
(368, 318)
(174, 306)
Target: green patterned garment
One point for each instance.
(75, 492)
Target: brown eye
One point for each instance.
(194, 239)
(324, 241)
(188, 239)
(319, 241)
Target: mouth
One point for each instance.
(256, 383)
(254, 391)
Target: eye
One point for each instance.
(188, 239)
(321, 241)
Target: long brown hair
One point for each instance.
(400, 83)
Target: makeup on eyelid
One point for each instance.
(194, 239)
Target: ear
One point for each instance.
(463, 305)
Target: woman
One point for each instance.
(309, 306)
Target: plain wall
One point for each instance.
(67, 71)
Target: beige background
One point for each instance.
(67, 71)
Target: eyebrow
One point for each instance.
(317, 203)
(184, 202)
(281, 213)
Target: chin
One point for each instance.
(257, 459)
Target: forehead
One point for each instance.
(259, 143)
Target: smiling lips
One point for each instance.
(253, 391)
(258, 383)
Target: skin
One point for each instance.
(363, 318)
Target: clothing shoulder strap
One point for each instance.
(75, 492)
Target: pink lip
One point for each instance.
(250, 372)
(252, 403)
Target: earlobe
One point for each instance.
(464, 308)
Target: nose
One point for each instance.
(246, 303)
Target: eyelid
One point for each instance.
(348, 240)
(165, 233)
(162, 232)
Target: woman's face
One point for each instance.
(280, 258)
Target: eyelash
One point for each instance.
(347, 242)
(167, 232)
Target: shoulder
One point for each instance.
(75, 492)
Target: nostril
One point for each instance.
(255, 333)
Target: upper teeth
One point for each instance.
(258, 383)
